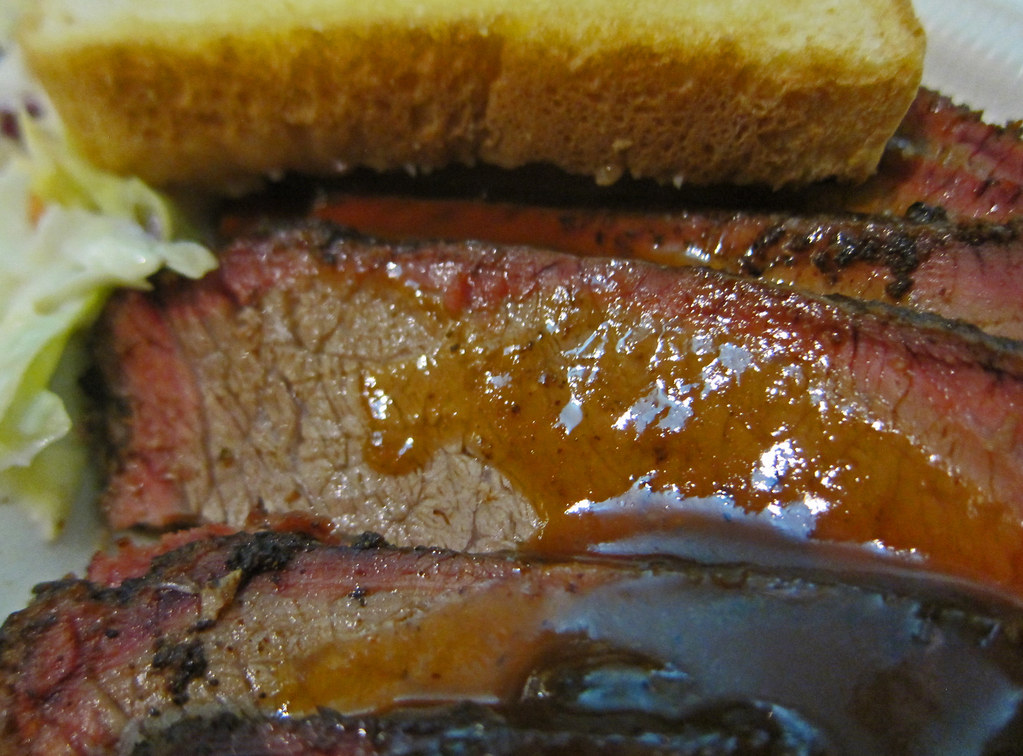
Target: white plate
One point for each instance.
(975, 55)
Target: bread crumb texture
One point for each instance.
(215, 94)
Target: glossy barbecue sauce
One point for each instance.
(597, 413)
(619, 428)
(694, 656)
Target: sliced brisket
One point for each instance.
(966, 271)
(274, 624)
(937, 128)
(943, 155)
(470, 397)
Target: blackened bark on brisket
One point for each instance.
(264, 554)
(182, 662)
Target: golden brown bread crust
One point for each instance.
(775, 103)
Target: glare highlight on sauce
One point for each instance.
(577, 401)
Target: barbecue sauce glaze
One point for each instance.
(659, 648)
(704, 418)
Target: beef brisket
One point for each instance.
(966, 271)
(943, 155)
(268, 624)
(474, 398)
(939, 129)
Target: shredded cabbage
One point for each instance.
(69, 234)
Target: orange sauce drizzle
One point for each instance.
(589, 416)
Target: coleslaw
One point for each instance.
(69, 235)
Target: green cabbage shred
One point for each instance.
(69, 235)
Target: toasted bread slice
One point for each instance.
(774, 92)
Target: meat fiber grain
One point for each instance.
(946, 156)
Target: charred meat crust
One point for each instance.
(900, 248)
(208, 559)
(212, 558)
(182, 663)
(749, 242)
(267, 552)
(212, 571)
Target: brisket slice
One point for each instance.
(939, 129)
(966, 271)
(267, 624)
(943, 155)
(469, 397)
